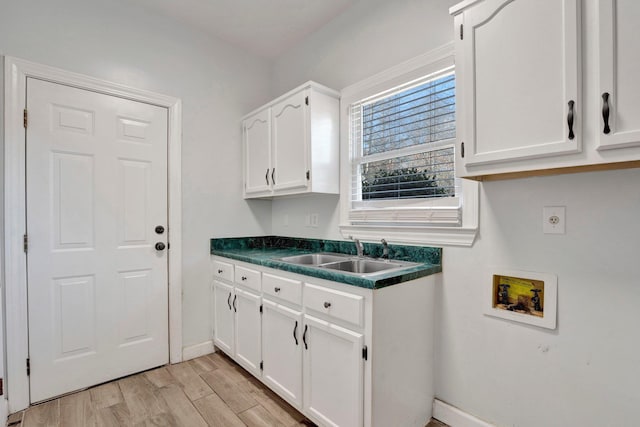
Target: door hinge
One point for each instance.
(462, 150)
(260, 308)
(28, 366)
(25, 243)
(261, 365)
(461, 31)
(24, 118)
(308, 175)
(365, 352)
(306, 100)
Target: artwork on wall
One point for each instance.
(523, 296)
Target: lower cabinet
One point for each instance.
(333, 373)
(282, 350)
(316, 342)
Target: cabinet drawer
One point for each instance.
(286, 289)
(336, 304)
(249, 278)
(223, 270)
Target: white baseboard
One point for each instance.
(4, 411)
(197, 350)
(454, 417)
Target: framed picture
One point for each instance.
(523, 296)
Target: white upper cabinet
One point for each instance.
(546, 86)
(291, 145)
(619, 71)
(257, 139)
(519, 80)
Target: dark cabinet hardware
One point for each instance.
(304, 337)
(605, 113)
(243, 278)
(160, 246)
(229, 300)
(266, 176)
(570, 119)
(235, 298)
(327, 304)
(462, 150)
(276, 289)
(159, 229)
(220, 271)
(273, 171)
(295, 330)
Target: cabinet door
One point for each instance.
(290, 121)
(248, 352)
(223, 316)
(619, 71)
(257, 154)
(519, 80)
(282, 350)
(333, 373)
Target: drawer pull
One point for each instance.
(219, 271)
(570, 119)
(229, 300)
(304, 337)
(327, 304)
(276, 289)
(244, 278)
(295, 329)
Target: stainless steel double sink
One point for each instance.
(349, 264)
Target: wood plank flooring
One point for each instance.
(211, 390)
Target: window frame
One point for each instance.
(441, 221)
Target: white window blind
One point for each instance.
(402, 153)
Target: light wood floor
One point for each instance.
(211, 390)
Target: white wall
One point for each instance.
(583, 373)
(120, 42)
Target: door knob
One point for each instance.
(160, 246)
(159, 229)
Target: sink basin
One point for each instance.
(364, 266)
(314, 259)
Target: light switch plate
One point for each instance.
(553, 220)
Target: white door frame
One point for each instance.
(16, 73)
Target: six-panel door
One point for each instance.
(282, 350)
(97, 269)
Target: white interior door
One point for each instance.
(97, 284)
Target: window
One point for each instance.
(401, 133)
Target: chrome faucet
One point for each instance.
(385, 249)
(359, 248)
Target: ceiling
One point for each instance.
(263, 27)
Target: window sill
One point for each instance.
(438, 236)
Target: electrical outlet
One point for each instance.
(553, 220)
(314, 220)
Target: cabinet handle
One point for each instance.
(235, 309)
(304, 337)
(229, 300)
(272, 178)
(266, 176)
(243, 278)
(295, 329)
(219, 271)
(327, 304)
(276, 289)
(605, 112)
(570, 119)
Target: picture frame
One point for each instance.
(523, 296)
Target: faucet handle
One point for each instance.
(385, 249)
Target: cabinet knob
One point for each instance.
(244, 278)
(327, 304)
(277, 289)
(219, 271)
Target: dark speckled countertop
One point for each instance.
(267, 249)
